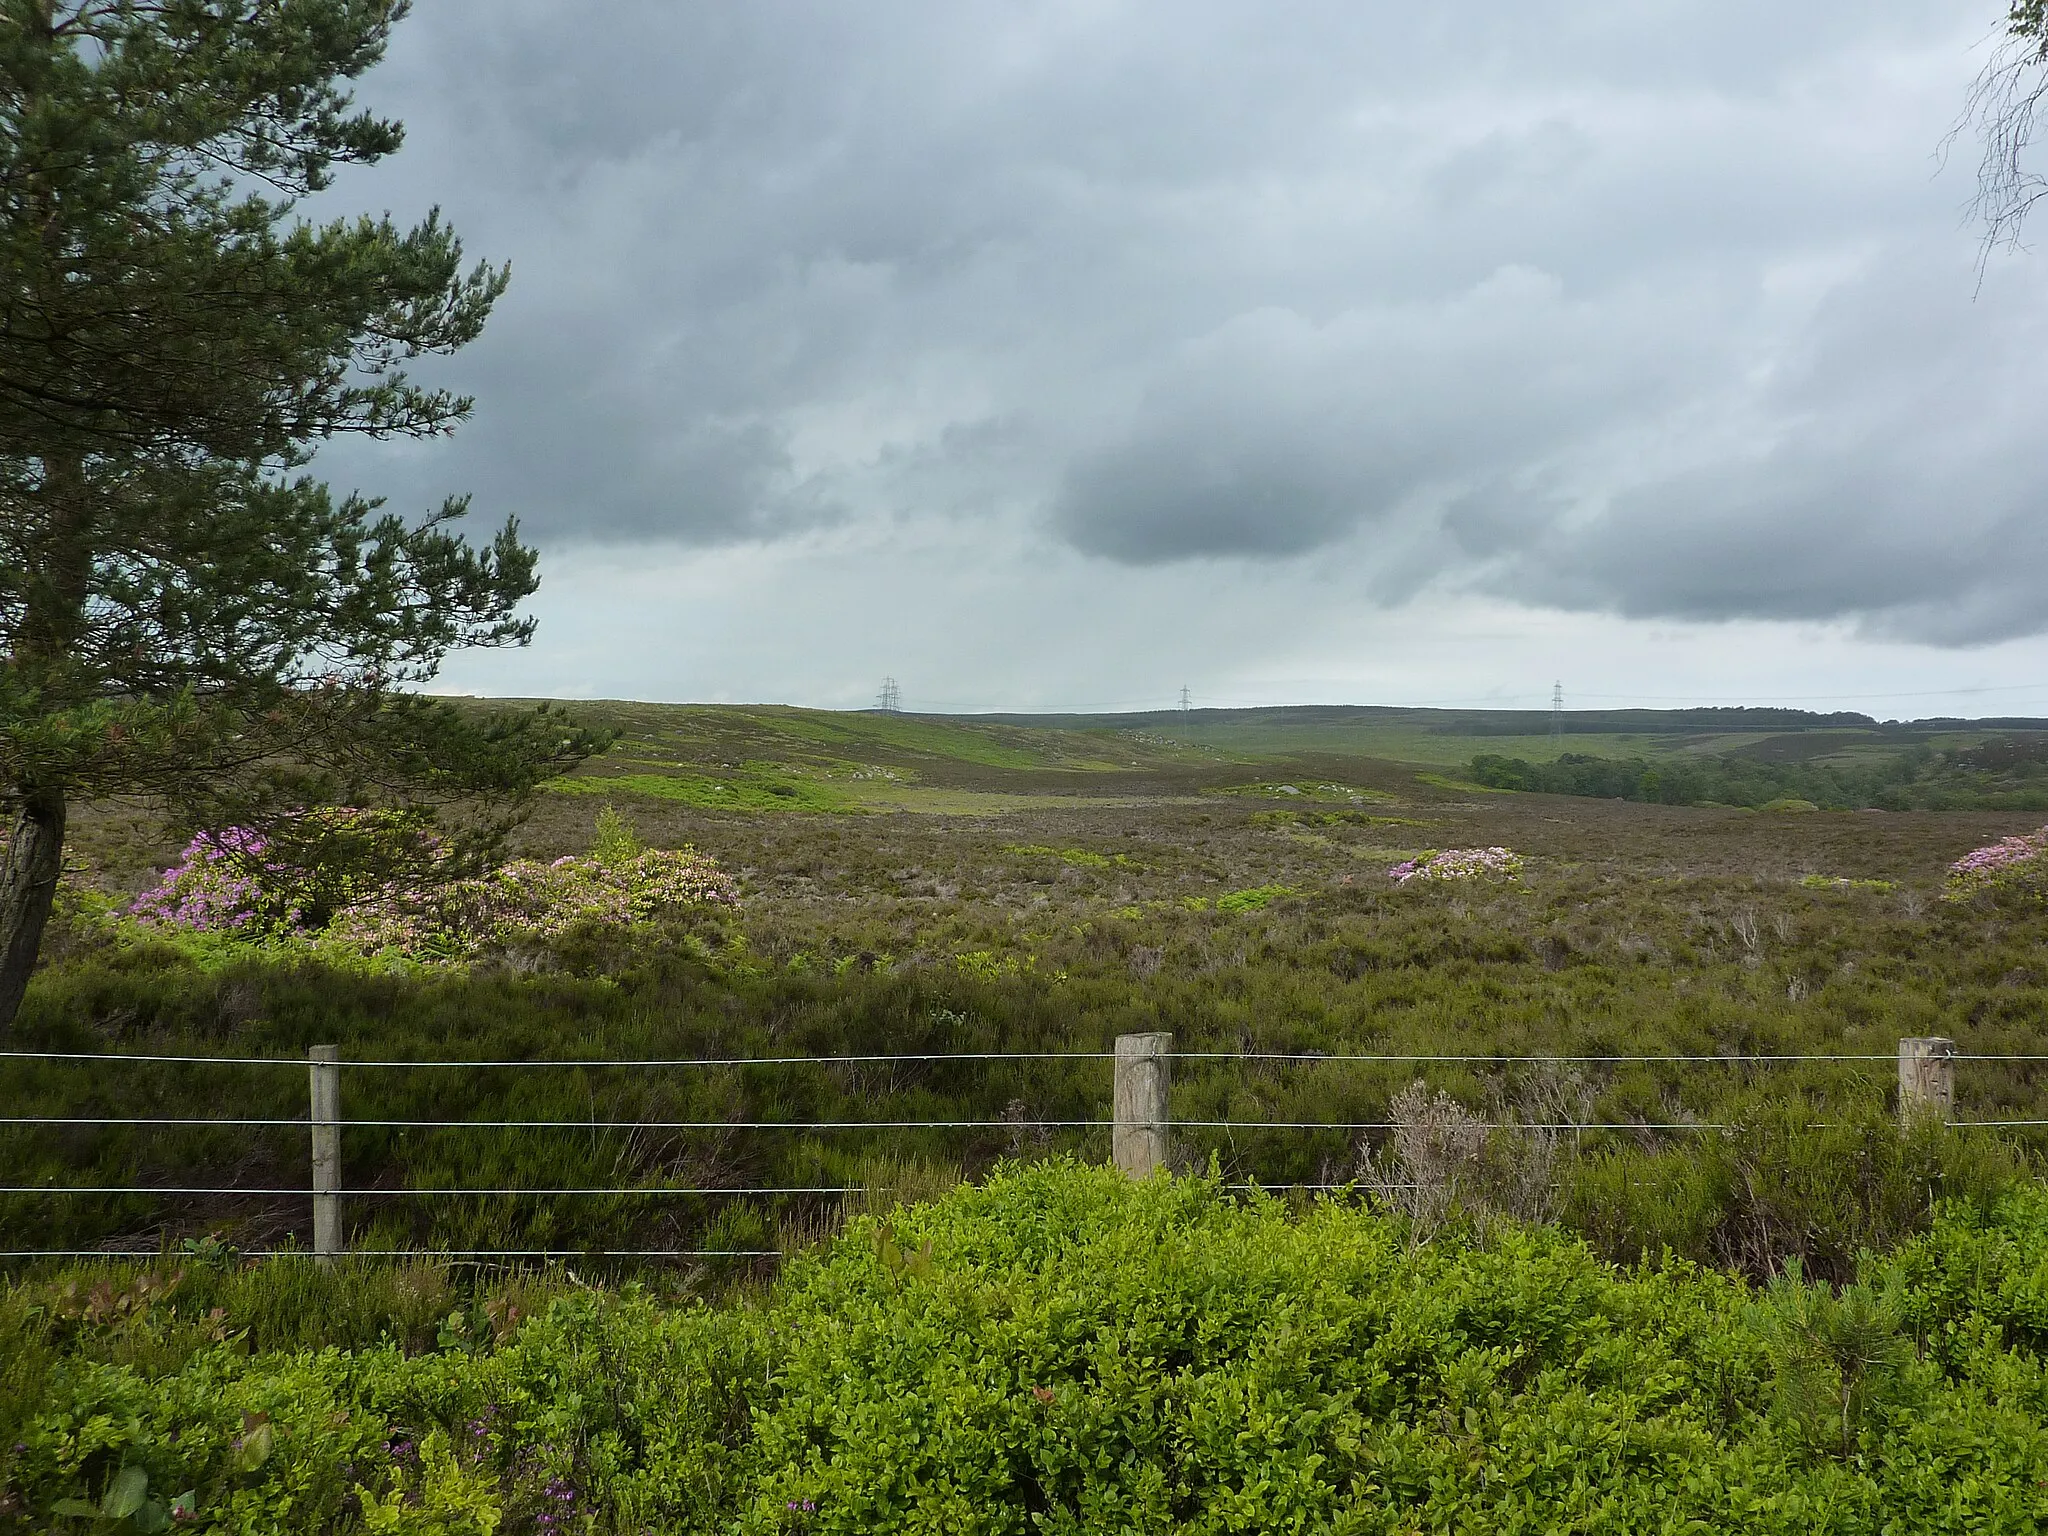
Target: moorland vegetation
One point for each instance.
(1246, 903)
(1047, 891)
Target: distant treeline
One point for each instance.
(1608, 722)
(2005, 773)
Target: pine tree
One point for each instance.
(1836, 1356)
(185, 614)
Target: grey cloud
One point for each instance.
(1893, 477)
(1210, 488)
(1863, 536)
(1511, 164)
(1277, 435)
(1602, 305)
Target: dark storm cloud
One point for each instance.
(1884, 466)
(1644, 308)
(1276, 436)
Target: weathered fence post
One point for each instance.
(326, 1073)
(1927, 1079)
(1139, 1141)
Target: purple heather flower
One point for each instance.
(1996, 863)
(1459, 864)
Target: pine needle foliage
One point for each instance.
(1837, 1356)
(183, 615)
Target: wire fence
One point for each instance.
(1141, 1128)
(1298, 1058)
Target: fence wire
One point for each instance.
(387, 1194)
(563, 1125)
(659, 1191)
(566, 1063)
(595, 1255)
(301, 1193)
(857, 1125)
(1297, 1058)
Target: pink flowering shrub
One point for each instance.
(2011, 861)
(381, 889)
(1459, 864)
(214, 887)
(293, 879)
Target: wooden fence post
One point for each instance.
(1139, 1142)
(326, 1073)
(1927, 1079)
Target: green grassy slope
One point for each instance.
(781, 757)
(1447, 736)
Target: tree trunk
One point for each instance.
(28, 886)
(59, 569)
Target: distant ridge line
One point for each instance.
(1444, 719)
(1503, 722)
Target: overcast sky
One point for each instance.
(1056, 355)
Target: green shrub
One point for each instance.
(1253, 899)
(1062, 1350)
(614, 841)
(1817, 1182)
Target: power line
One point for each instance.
(890, 700)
